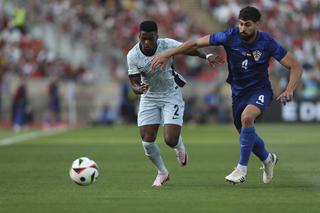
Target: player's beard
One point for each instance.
(247, 37)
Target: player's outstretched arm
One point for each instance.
(292, 64)
(136, 85)
(184, 49)
(211, 57)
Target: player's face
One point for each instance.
(148, 41)
(248, 30)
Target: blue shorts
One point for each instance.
(260, 98)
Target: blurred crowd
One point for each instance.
(295, 24)
(109, 28)
(23, 54)
(24, 57)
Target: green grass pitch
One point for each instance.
(34, 174)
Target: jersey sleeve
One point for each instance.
(220, 38)
(276, 50)
(132, 67)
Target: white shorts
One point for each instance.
(168, 110)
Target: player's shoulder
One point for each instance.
(163, 41)
(229, 35)
(232, 31)
(265, 36)
(267, 41)
(167, 43)
(133, 51)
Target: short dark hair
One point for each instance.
(250, 13)
(148, 26)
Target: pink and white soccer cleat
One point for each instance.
(182, 156)
(161, 179)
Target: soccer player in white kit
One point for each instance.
(161, 100)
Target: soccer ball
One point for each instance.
(84, 171)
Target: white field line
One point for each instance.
(30, 136)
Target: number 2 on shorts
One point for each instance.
(176, 114)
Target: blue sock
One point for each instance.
(247, 140)
(259, 150)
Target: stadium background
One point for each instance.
(85, 44)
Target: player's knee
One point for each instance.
(171, 140)
(148, 137)
(247, 120)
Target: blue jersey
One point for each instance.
(248, 63)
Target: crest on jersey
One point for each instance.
(256, 55)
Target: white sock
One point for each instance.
(268, 160)
(152, 151)
(242, 168)
(180, 145)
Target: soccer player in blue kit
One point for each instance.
(248, 52)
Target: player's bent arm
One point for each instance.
(198, 52)
(292, 64)
(211, 57)
(135, 81)
(185, 48)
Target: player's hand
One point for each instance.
(285, 97)
(215, 59)
(144, 88)
(159, 59)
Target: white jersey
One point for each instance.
(161, 82)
